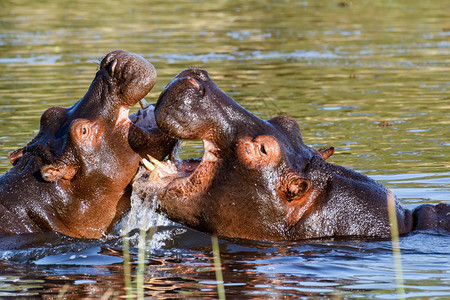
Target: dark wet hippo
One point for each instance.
(257, 179)
(74, 176)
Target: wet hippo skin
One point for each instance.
(257, 179)
(74, 176)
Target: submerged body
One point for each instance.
(74, 176)
(257, 179)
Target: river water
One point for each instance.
(370, 78)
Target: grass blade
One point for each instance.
(218, 268)
(395, 245)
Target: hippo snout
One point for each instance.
(129, 75)
(199, 74)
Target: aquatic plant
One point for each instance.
(218, 267)
(395, 245)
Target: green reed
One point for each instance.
(134, 285)
(395, 245)
(127, 266)
(63, 291)
(141, 258)
(218, 267)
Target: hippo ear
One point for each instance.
(53, 173)
(326, 152)
(15, 155)
(260, 152)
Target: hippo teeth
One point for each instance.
(155, 161)
(143, 103)
(148, 165)
(159, 169)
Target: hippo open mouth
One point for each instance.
(78, 168)
(258, 180)
(179, 113)
(122, 81)
(253, 173)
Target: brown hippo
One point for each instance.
(74, 176)
(258, 180)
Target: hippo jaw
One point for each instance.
(122, 80)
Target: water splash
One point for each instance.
(143, 215)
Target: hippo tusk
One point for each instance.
(148, 165)
(143, 103)
(158, 168)
(155, 169)
(156, 162)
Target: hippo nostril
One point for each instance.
(195, 83)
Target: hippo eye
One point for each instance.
(84, 130)
(81, 130)
(263, 149)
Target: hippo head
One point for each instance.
(73, 176)
(80, 139)
(257, 179)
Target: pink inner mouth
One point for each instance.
(195, 83)
(122, 118)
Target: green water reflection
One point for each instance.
(338, 70)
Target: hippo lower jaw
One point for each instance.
(184, 180)
(144, 136)
(141, 118)
(187, 178)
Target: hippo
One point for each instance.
(258, 180)
(74, 176)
